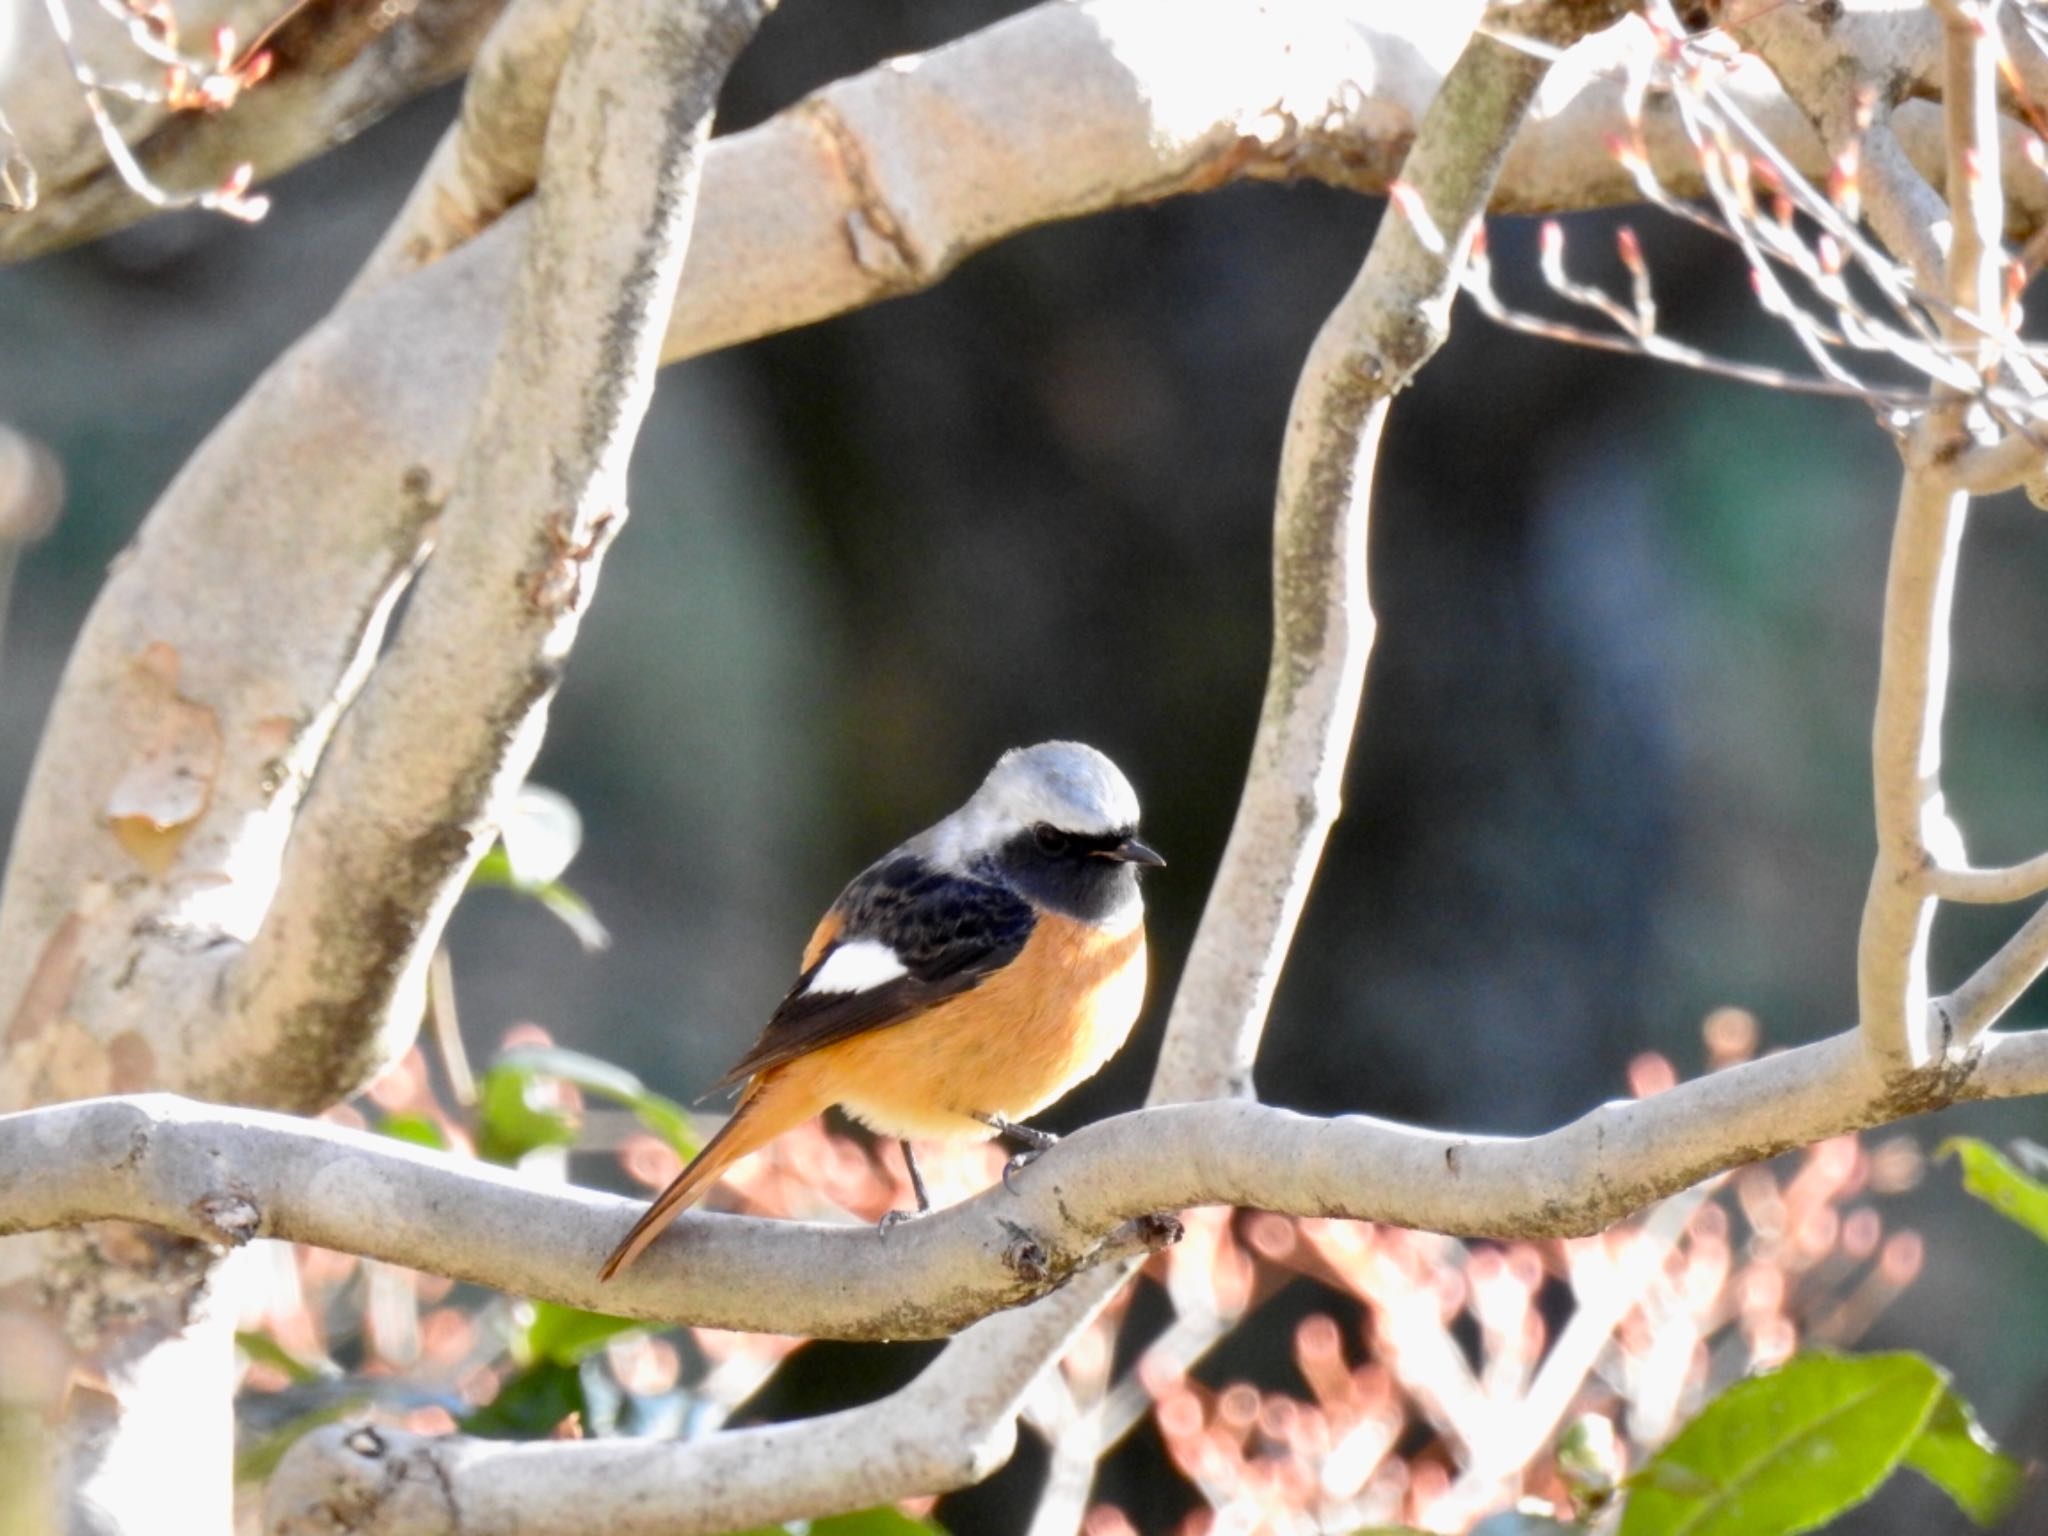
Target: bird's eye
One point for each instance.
(1050, 838)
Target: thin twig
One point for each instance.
(2011, 882)
(230, 197)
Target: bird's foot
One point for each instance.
(1018, 1163)
(894, 1219)
(1035, 1141)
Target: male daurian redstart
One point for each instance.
(960, 983)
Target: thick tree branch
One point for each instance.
(323, 93)
(225, 1176)
(407, 796)
(489, 158)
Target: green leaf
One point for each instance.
(1786, 1451)
(574, 914)
(509, 1125)
(565, 1335)
(541, 835)
(530, 1404)
(257, 1456)
(663, 1116)
(884, 1521)
(420, 1130)
(262, 1347)
(1955, 1455)
(1993, 1178)
(493, 871)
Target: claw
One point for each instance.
(1018, 1163)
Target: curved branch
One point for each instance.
(2006, 882)
(1388, 324)
(1840, 89)
(227, 1175)
(489, 158)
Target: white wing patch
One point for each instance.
(858, 966)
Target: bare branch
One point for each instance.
(490, 158)
(2011, 882)
(1390, 322)
(1844, 95)
(1998, 983)
(1913, 826)
(226, 1176)
(408, 794)
(1914, 832)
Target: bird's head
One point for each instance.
(1060, 822)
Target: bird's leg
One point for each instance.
(1035, 1141)
(924, 1201)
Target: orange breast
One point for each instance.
(1046, 1021)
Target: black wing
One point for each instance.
(950, 932)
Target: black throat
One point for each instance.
(1074, 880)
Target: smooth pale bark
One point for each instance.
(226, 1176)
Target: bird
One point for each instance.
(959, 984)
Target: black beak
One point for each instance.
(1131, 851)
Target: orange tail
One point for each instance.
(762, 1115)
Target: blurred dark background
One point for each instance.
(1612, 770)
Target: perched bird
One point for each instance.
(960, 983)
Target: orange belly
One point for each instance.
(1046, 1021)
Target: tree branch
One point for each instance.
(323, 92)
(407, 796)
(1388, 324)
(226, 1176)
(2008, 882)
(1914, 832)
(489, 158)
(1850, 105)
